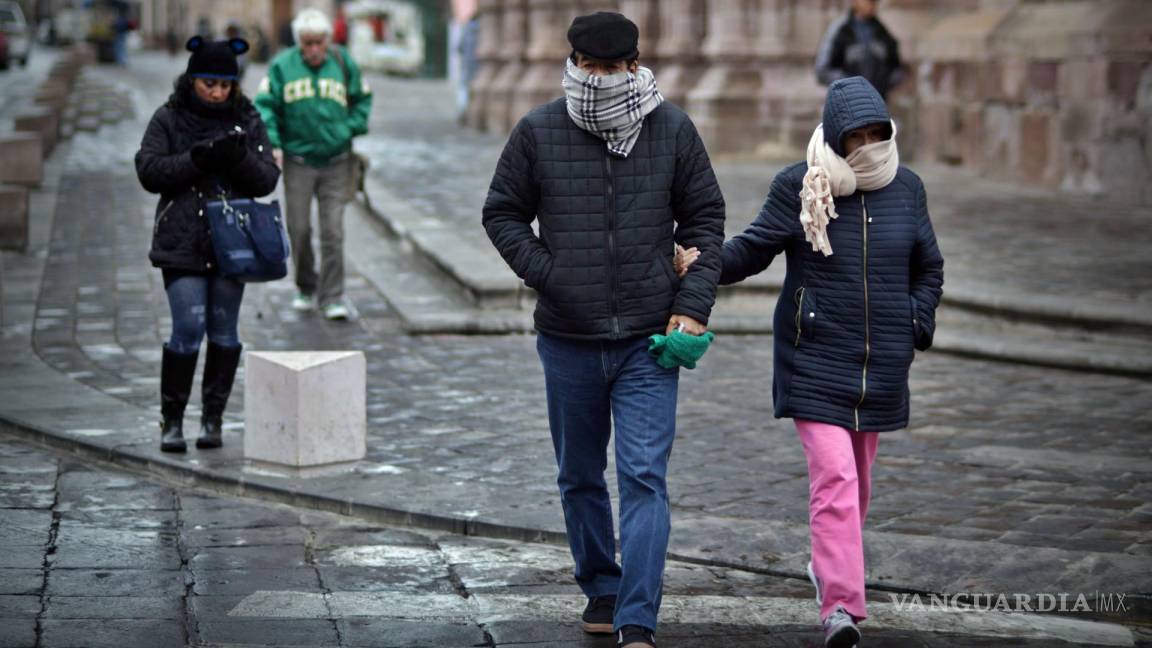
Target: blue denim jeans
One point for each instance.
(202, 304)
(590, 385)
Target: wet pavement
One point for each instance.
(92, 556)
(1009, 479)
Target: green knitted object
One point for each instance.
(679, 349)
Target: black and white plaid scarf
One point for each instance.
(613, 107)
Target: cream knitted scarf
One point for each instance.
(868, 168)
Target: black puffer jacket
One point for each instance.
(602, 263)
(180, 237)
(846, 325)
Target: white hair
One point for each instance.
(311, 21)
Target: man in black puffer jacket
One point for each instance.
(616, 178)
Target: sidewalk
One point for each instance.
(1010, 478)
(1032, 277)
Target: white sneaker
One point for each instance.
(336, 311)
(303, 302)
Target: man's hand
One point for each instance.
(684, 259)
(278, 157)
(691, 326)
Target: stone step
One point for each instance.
(41, 120)
(23, 159)
(441, 280)
(470, 260)
(13, 217)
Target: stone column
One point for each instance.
(679, 62)
(784, 72)
(548, 22)
(725, 104)
(513, 41)
(643, 13)
(487, 51)
(592, 6)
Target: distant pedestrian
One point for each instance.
(864, 279)
(121, 26)
(463, 37)
(204, 28)
(207, 139)
(616, 177)
(314, 101)
(858, 44)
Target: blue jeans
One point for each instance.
(590, 385)
(202, 304)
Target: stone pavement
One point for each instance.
(92, 556)
(1010, 479)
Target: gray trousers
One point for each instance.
(329, 185)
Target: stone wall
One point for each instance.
(1055, 94)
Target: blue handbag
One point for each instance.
(249, 239)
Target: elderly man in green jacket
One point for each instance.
(314, 101)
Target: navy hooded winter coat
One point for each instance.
(846, 325)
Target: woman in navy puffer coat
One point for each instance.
(859, 296)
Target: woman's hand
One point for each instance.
(224, 152)
(684, 259)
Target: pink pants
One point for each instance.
(839, 487)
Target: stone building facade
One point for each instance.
(1051, 93)
(183, 17)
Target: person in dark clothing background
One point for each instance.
(207, 139)
(616, 178)
(858, 44)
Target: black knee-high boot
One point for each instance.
(219, 372)
(176, 373)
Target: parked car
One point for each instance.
(3, 50)
(14, 26)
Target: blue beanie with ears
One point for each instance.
(215, 59)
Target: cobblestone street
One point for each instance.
(95, 557)
(1010, 478)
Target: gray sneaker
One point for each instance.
(303, 302)
(335, 311)
(815, 583)
(840, 630)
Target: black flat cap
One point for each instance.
(605, 35)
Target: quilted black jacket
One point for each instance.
(846, 325)
(180, 237)
(602, 263)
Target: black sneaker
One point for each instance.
(597, 617)
(632, 636)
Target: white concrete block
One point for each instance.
(305, 408)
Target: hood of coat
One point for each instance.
(851, 103)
